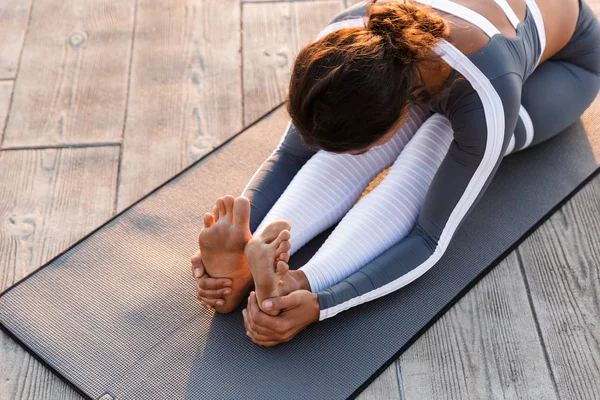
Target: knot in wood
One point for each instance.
(77, 39)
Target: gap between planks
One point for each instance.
(63, 146)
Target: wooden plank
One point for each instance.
(273, 35)
(14, 16)
(485, 347)
(50, 199)
(72, 81)
(561, 261)
(5, 94)
(185, 95)
(385, 387)
(24, 378)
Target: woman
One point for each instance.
(499, 75)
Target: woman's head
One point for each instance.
(350, 89)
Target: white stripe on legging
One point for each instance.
(529, 131)
(494, 115)
(385, 215)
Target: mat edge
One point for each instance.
(474, 282)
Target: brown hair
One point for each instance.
(348, 89)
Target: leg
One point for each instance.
(385, 215)
(329, 184)
(561, 89)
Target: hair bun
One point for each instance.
(407, 30)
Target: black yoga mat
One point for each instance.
(116, 316)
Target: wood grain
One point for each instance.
(385, 387)
(5, 94)
(561, 262)
(72, 81)
(273, 35)
(14, 16)
(185, 89)
(50, 199)
(484, 347)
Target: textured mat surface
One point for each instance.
(116, 316)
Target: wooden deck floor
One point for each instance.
(102, 100)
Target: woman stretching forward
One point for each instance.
(439, 89)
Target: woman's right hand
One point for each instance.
(210, 291)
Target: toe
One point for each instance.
(221, 207)
(284, 247)
(228, 202)
(282, 267)
(285, 257)
(241, 212)
(215, 213)
(209, 220)
(283, 236)
(273, 230)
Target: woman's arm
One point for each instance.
(275, 174)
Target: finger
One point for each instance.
(213, 294)
(267, 344)
(260, 341)
(228, 201)
(241, 212)
(256, 336)
(258, 329)
(221, 207)
(209, 220)
(208, 283)
(212, 303)
(197, 258)
(282, 303)
(197, 268)
(274, 324)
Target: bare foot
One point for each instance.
(268, 255)
(222, 243)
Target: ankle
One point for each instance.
(300, 280)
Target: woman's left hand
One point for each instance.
(298, 310)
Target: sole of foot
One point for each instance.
(267, 255)
(222, 242)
